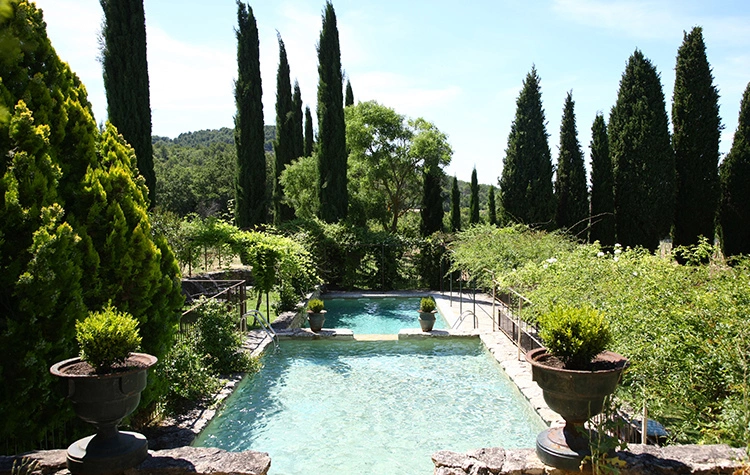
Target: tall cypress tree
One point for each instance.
(734, 211)
(474, 202)
(285, 143)
(349, 99)
(570, 185)
(125, 69)
(309, 134)
(298, 127)
(251, 207)
(526, 183)
(602, 186)
(432, 201)
(455, 206)
(491, 206)
(642, 157)
(332, 156)
(697, 130)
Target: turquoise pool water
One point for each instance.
(375, 315)
(322, 407)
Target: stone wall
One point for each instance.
(638, 460)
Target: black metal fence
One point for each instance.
(510, 321)
(232, 292)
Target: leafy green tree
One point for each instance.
(697, 130)
(125, 69)
(526, 182)
(349, 100)
(455, 207)
(570, 186)
(734, 211)
(602, 186)
(298, 181)
(491, 207)
(332, 156)
(394, 153)
(309, 135)
(642, 157)
(251, 206)
(474, 204)
(285, 145)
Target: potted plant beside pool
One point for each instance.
(104, 384)
(575, 374)
(315, 314)
(427, 313)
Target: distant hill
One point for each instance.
(204, 138)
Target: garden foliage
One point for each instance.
(107, 337)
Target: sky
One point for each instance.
(460, 65)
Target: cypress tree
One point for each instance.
(491, 207)
(570, 185)
(526, 182)
(285, 143)
(309, 137)
(734, 210)
(642, 157)
(432, 200)
(455, 207)
(474, 202)
(697, 130)
(332, 156)
(602, 186)
(251, 207)
(298, 127)
(349, 100)
(125, 71)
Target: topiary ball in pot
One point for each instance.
(574, 335)
(107, 338)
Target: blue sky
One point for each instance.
(459, 65)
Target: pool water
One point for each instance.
(380, 407)
(376, 315)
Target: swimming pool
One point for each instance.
(379, 407)
(377, 315)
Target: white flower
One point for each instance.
(618, 251)
(551, 260)
(618, 245)
(600, 254)
(616, 259)
(635, 274)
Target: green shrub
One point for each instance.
(315, 305)
(188, 378)
(427, 304)
(219, 340)
(574, 335)
(107, 337)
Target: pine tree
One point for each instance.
(526, 183)
(697, 130)
(299, 134)
(126, 83)
(642, 157)
(455, 206)
(734, 210)
(570, 186)
(492, 207)
(332, 156)
(309, 135)
(285, 144)
(474, 202)
(432, 200)
(602, 186)
(349, 100)
(251, 207)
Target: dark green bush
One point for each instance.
(315, 305)
(219, 340)
(427, 304)
(188, 378)
(575, 335)
(107, 337)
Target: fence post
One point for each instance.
(520, 307)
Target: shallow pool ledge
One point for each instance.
(408, 333)
(325, 333)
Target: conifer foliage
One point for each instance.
(642, 157)
(332, 156)
(602, 186)
(349, 97)
(251, 207)
(455, 206)
(697, 129)
(734, 212)
(570, 186)
(526, 182)
(299, 133)
(285, 145)
(491, 206)
(432, 200)
(474, 201)
(126, 83)
(309, 135)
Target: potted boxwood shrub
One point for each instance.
(104, 384)
(427, 313)
(575, 374)
(315, 314)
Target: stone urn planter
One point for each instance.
(316, 316)
(575, 374)
(427, 313)
(103, 400)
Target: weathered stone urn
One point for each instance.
(427, 320)
(103, 400)
(577, 395)
(316, 320)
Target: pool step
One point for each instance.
(375, 337)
